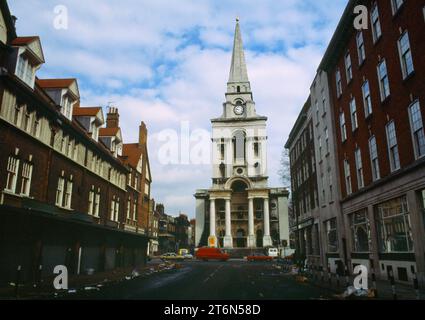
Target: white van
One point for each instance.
(273, 252)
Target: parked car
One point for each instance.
(171, 256)
(273, 252)
(188, 256)
(206, 254)
(259, 257)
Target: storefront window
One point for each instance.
(394, 228)
(332, 235)
(360, 231)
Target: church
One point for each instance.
(240, 210)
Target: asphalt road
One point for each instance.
(197, 280)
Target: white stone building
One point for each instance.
(240, 210)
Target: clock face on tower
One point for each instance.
(239, 110)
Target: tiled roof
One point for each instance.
(86, 111)
(55, 83)
(132, 153)
(108, 132)
(24, 40)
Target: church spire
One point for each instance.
(238, 71)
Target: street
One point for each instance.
(196, 280)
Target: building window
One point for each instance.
(332, 235)
(222, 149)
(320, 147)
(348, 67)
(353, 111)
(338, 83)
(239, 141)
(25, 71)
(393, 146)
(347, 173)
(343, 127)
(394, 227)
(91, 201)
(26, 178)
(115, 208)
(323, 101)
(359, 168)
(96, 203)
(367, 100)
(396, 5)
(12, 174)
(360, 231)
(327, 140)
(256, 148)
(60, 191)
(405, 52)
(373, 149)
(135, 210)
(376, 24)
(384, 84)
(360, 48)
(68, 195)
(417, 128)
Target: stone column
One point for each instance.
(212, 239)
(228, 239)
(267, 240)
(251, 235)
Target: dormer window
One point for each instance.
(25, 70)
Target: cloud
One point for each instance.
(165, 62)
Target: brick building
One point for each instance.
(374, 80)
(378, 93)
(63, 184)
(305, 225)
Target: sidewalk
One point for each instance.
(383, 287)
(80, 283)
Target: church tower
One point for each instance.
(239, 211)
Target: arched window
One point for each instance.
(239, 141)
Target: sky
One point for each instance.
(167, 63)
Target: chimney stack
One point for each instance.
(112, 118)
(143, 134)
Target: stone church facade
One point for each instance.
(240, 210)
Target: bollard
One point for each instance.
(416, 286)
(392, 281)
(18, 276)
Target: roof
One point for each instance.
(238, 71)
(340, 36)
(132, 154)
(108, 132)
(298, 124)
(19, 41)
(86, 111)
(55, 83)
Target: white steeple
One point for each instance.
(238, 76)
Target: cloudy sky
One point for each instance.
(167, 62)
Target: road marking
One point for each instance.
(212, 274)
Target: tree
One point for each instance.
(285, 169)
